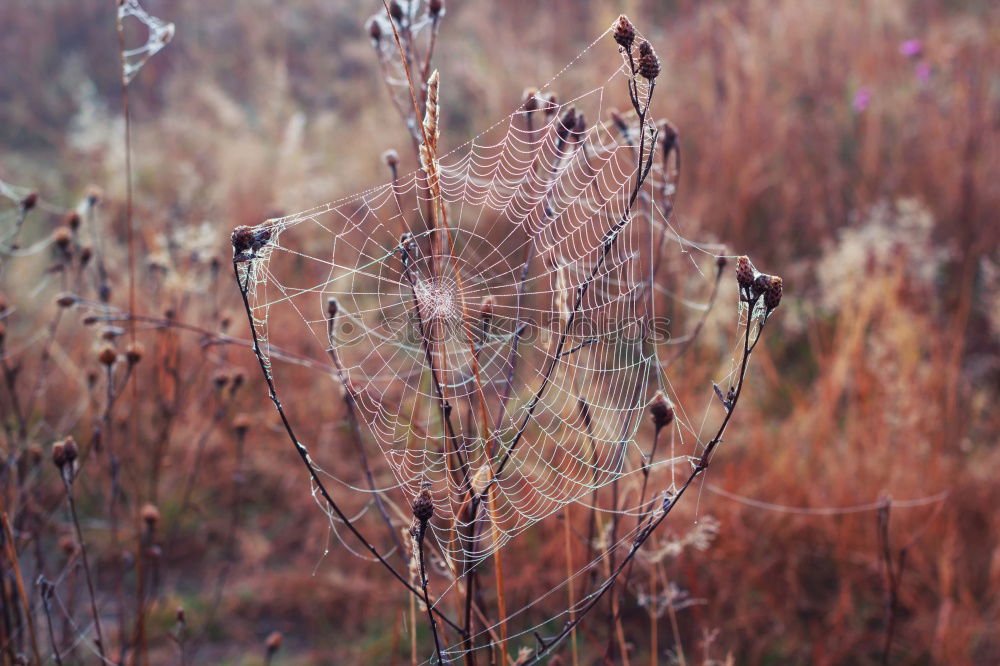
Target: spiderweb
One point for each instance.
(487, 365)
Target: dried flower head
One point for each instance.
(72, 220)
(530, 100)
(241, 424)
(649, 64)
(133, 354)
(61, 238)
(150, 515)
(661, 411)
(66, 300)
(375, 31)
(59, 454)
(744, 273)
(331, 308)
(435, 8)
(624, 33)
(273, 642)
(396, 12)
(71, 449)
(772, 293)
(29, 201)
(107, 356)
(423, 507)
(391, 159)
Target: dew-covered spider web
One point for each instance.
(488, 365)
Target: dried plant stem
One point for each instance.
(45, 589)
(422, 530)
(893, 573)
(570, 587)
(303, 452)
(19, 581)
(699, 467)
(68, 484)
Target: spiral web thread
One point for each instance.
(525, 187)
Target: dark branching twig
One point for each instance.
(300, 448)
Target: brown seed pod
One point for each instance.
(649, 64)
(772, 294)
(66, 300)
(423, 506)
(150, 515)
(134, 353)
(624, 33)
(29, 201)
(59, 454)
(107, 356)
(744, 272)
(661, 411)
(71, 449)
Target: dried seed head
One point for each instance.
(772, 294)
(238, 378)
(107, 356)
(86, 252)
(435, 8)
(241, 424)
(93, 196)
(624, 33)
(220, 378)
(391, 159)
(551, 104)
(72, 450)
(67, 545)
(180, 615)
(669, 134)
(396, 12)
(760, 285)
(618, 121)
(423, 506)
(62, 237)
(331, 309)
(242, 239)
(273, 642)
(29, 201)
(530, 100)
(72, 220)
(721, 263)
(150, 515)
(566, 123)
(133, 354)
(744, 272)
(59, 454)
(649, 64)
(661, 411)
(375, 31)
(66, 300)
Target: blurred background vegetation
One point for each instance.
(852, 147)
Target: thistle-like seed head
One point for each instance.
(661, 411)
(744, 272)
(331, 308)
(71, 449)
(133, 354)
(772, 294)
(649, 64)
(150, 515)
(624, 33)
(107, 356)
(59, 454)
(423, 506)
(29, 201)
